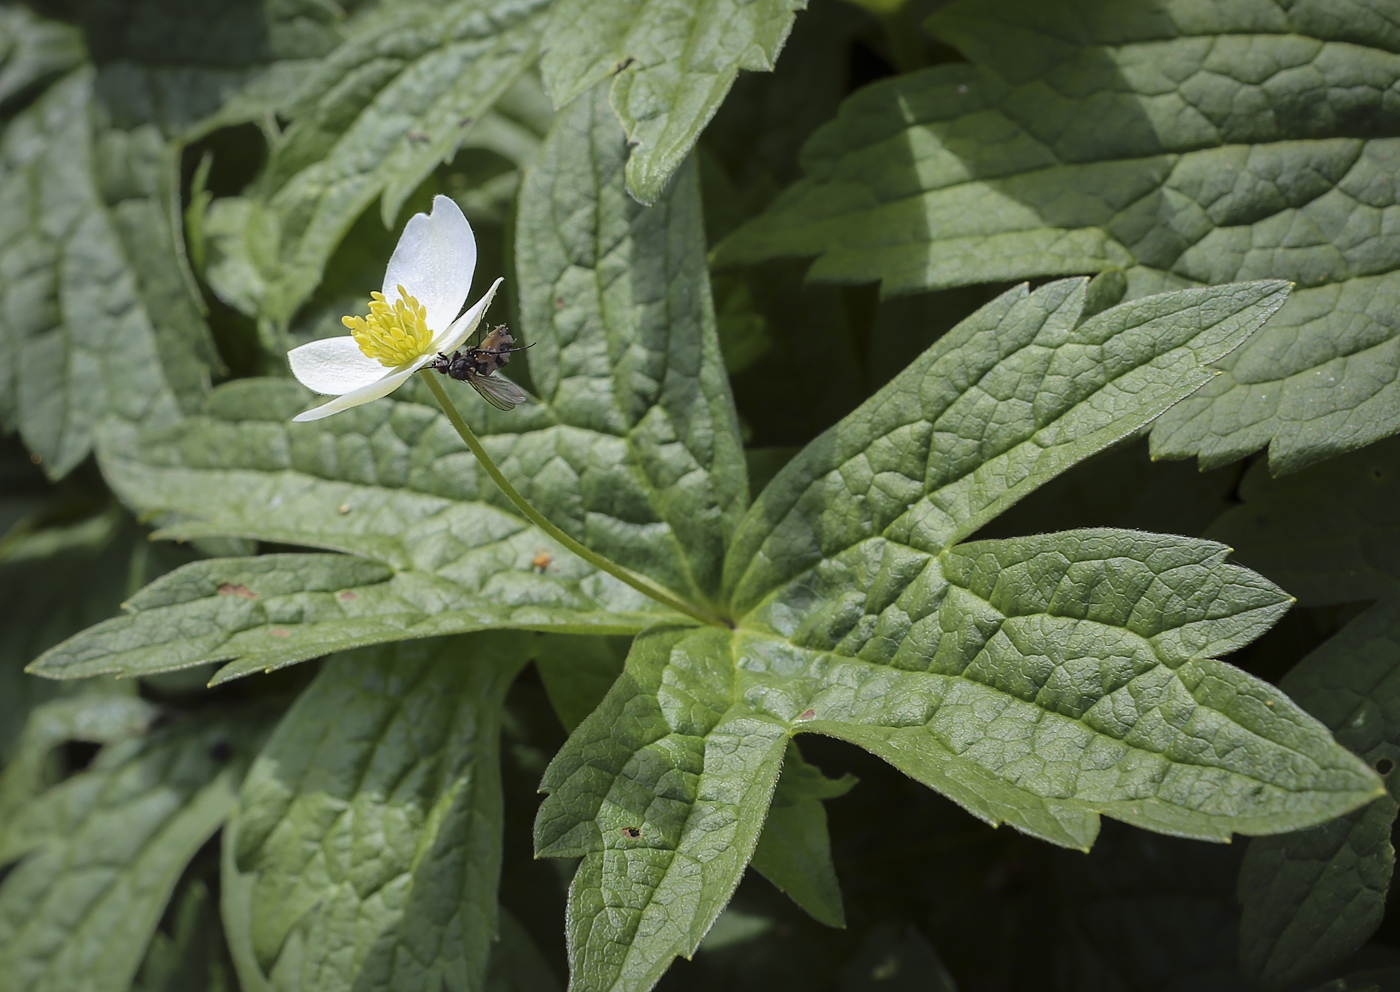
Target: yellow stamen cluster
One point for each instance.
(393, 333)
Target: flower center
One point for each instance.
(394, 333)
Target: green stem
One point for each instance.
(540, 521)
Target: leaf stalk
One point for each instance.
(540, 521)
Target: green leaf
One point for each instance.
(99, 325)
(1312, 898)
(33, 50)
(189, 959)
(615, 298)
(670, 68)
(1326, 535)
(794, 850)
(1008, 399)
(1038, 681)
(102, 853)
(275, 610)
(369, 829)
(191, 66)
(577, 672)
(516, 964)
(1186, 145)
(662, 791)
(376, 117)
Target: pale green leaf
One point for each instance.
(369, 829)
(101, 854)
(794, 850)
(671, 67)
(379, 113)
(1008, 399)
(98, 324)
(1188, 144)
(615, 299)
(662, 791)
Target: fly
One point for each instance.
(476, 365)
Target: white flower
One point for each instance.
(413, 319)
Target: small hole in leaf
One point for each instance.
(1385, 766)
(632, 832)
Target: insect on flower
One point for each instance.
(477, 364)
(411, 323)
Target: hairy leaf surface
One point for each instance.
(1187, 145)
(369, 829)
(671, 67)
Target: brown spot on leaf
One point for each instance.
(542, 560)
(347, 594)
(279, 632)
(807, 714)
(36, 459)
(343, 509)
(229, 589)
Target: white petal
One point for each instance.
(334, 365)
(452, 338)
(434, 261)
(365, 394)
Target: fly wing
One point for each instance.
(500, 393)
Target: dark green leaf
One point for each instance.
(376, 117)
(794, 851)
(99, 325)
(1187, 145)
(102, 852)
(578, 671)
(369, 830)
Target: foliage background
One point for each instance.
(187, 189)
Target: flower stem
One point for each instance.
(540, 521)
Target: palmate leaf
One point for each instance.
(1185, 144)
(671, 67)
(1039, 681)
(367, 844)
(101, 853)
(1312, 898)
(633, 450)
(375, 118)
